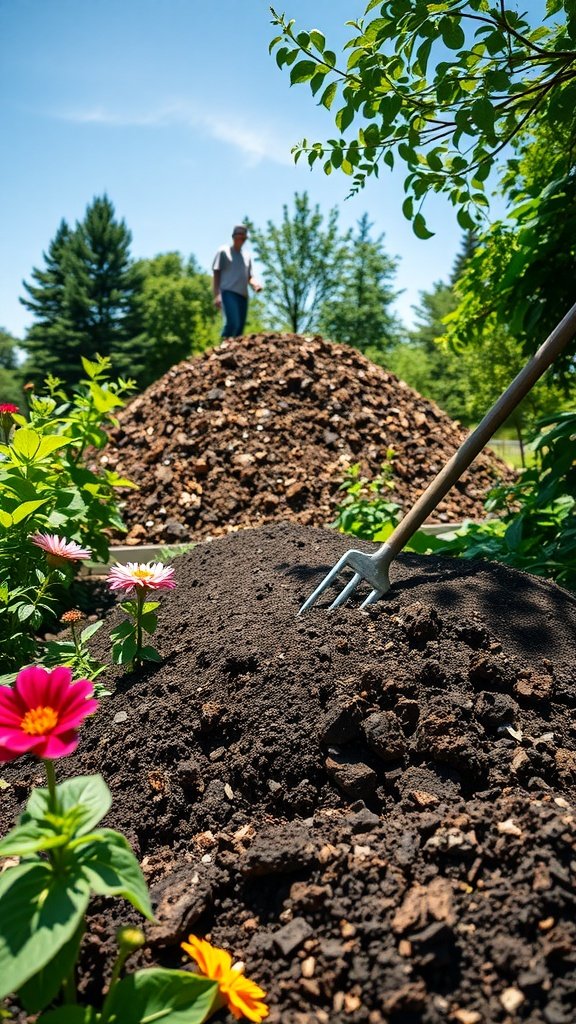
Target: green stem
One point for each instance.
(123, 955)
(140, 599)
(51, 779)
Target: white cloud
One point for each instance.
(254, 145)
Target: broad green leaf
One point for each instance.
(44, 986)
(87, 795)
(70, 1015)
(27, 508)
(124, 650)
(30, 837)
(318, 39)
(89, 631)
(149, 622)
(111, 868)
(172, 997)
(420, 229)
(48, 445)
(39, 913)
(150, 654)
(26, 442)
(328, 95)
(302, 71)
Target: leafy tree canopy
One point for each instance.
(302, 260)
(442, 87)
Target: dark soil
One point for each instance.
(262, 429)
(371, 809)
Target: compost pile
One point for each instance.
(371, 809)
(262, 429)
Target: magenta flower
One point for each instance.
(7, 408)
(42, 713)
(58, 549)
(136, 575)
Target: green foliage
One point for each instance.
(359, 313)
(127, 646)
(365, 512)
(442, 87)
(76, 655)
(178, 315)
(43, 901)
(85, 300)
(520, 279)
(533, 524)
(46, 484)
(535, 528)
(11, 379)
(302, 261)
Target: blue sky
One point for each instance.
(176, 110)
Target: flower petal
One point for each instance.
(53, 746)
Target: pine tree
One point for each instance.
(85, 301)
(103, 285)
(52, 344)
(359, 314)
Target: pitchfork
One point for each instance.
(374, 568)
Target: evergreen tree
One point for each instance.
(359, 313)
(470, 243)
(85, 300)
(103, 286)
(52, 343)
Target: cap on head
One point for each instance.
(239, 229)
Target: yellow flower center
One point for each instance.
(39, 720)
(143, 574)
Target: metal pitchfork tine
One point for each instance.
(374, 568)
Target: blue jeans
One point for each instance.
(235, 307)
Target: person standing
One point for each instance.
(231, 275)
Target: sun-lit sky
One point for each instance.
(176, 110)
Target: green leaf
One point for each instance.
(27, 839)
(420, 229)
(173, 997)
(26, 442)
(89, 631)
(302, 71)
(150, 654)
(452, 33)
(26, 509)
(39, 913)
(87, 796)
(483, 114)
(318, 40)
(123, 652)
(44, 986)
(51, 444)
(327, 97)
(149, 622)
(111, 868)
(70, 1015)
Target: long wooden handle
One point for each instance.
(474, 444)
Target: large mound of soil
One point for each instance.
(369, 808)
(262, 429)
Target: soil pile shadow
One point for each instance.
(371, 809)
(262, 429)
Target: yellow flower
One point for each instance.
(242, 996)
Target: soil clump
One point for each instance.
(262, 429)
(371, 809)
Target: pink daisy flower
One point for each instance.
(151, 575)
(59, 547)
(42, 713)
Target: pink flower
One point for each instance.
(8, 408)
(151, 575)
(42, 713)
(59, 549)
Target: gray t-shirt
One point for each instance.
(235, 268)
